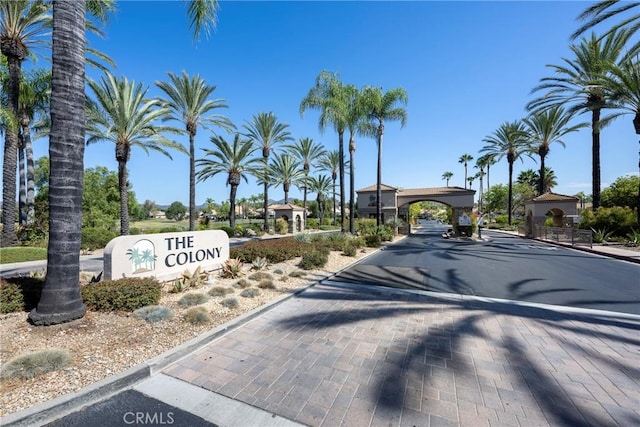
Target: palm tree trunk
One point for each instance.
(10, 160)
(61, 300)
(334, 201)
(22, 185)
(379, 179)
(124, 198)
(352, 180)
(232, 207)
(341, 154)
(465, 175)
(510, 196)
(595, 158)
(541, 187)
(192, 182)
(265, 207)
(31, 194)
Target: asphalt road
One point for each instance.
(505, 267)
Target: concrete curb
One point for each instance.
(59, 407)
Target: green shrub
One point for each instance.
(153, 313)
(366, 226)
(266, 284)
(96, 238)
(134, 231)
(230, 231)
(197, 316)
(372, 241)
(633, 238)
(219, 291)
(260, 275)
(274, 250)
(312, 223)
(230, 302)
(126, 294)
(189, 300)
(349, 250)
(250, 293)
(315, 258)
(20, 293)
(282, 226)
(33, 364)
(502, 219)
(171, 229)
(31, 235)
(242, 284)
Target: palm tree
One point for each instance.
(23, 27)
(61, 300)
(234, 160)
(624, 83)
(331, 97)
(321, 186)
(381, 107)
(188, 102)
(35, 90)
(605, 10)
(470, 180)
(330, 162)
(546, 127)
(480, 175)
(465, 159)
(123, 116)
(285, 170)
(579, 85)
(530, 178)
(485, 162)
(266, 131)
(447, 176)
(510, 141)
(308, 153)
(356, 121)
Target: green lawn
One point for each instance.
(21, 254)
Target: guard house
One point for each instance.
(294, 215)
(396, 201)
(559, 206)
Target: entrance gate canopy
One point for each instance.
(394, 198)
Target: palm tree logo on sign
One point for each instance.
(142, 256)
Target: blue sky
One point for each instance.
(467, 67)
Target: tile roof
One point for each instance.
(287, 206)
(384, 187)
(436, 191)
(553, 197)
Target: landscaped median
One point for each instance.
(112, 338)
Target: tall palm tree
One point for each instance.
(485, 162)
(331, 98)
(510, 141)
(530, 178)
(380, 108)
(480, 175)
(465, 159)
(285, 170)
(546, 127)
(23, 27)
(356, 123)
(308, 153)
(234, 160)
(624, 82)
(122, 115)
(320, 185)
(61, 300)
(470, 180)
(579, 85)
(188, 100)
(266, 131)
(447, 176)
(330, 162)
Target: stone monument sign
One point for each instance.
(166, 255)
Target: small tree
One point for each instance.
(176, 211)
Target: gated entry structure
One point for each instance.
(396, 201)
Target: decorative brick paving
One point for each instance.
(361, 356)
